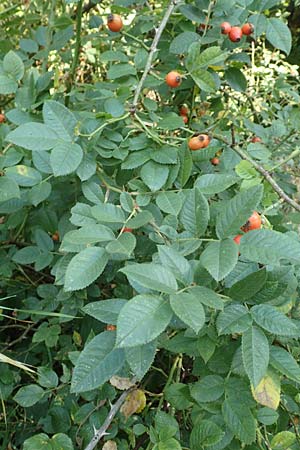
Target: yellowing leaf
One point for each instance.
(135, 403)
(283, 440)
(110, 445)
(267, 392)
(121, 383)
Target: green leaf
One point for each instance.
(267, 416)
(236, 79)
(204, 434)
(77, 240)
(142, 319)
(208, 389)
(169, 444)
(109, 213)
(97, 363)
(26, 255)
(269, 247)
(176, 262)
(39, 442)
(279, 34)
(237, 211)
(239, 420)
(60, 119)
(65, 158)
(234, 319)
(82, 215)
(29, 395)
(194, 214)
(154, 175)
(136, 159)
(152, 276)
(189, 309)
(85, 268)
(8, 189)
(33, 136)
(169, 122)
(284, 362)
(61, 441)
(219, 258)
(13, 65)
(120, 70)
(92, 192)
(248, 286)
(215, 183)
(261, 5)
(106, 311)
(47, 377)
(207, 297)
(211, 56)
(24, 175)
(123, 245)
(7, 85)
(43, 442)
(255, 351)
(178, 395)
(114, 107)
(182, 42)
(127, 202)
(140, 220)
(169, 202)
(274, 321)
(166, 154)
(186, 164)
(140, 358)
(204, 80)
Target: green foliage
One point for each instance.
(118, 264)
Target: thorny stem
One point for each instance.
(113, 411)
(153, 48)
(77, 50)
(260, 169)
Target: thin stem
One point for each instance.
(152, 135)
(107, 185)
(153, 49)
(261, 170)
(134, 38)
(77, 50)
(103, 125)
(285, 160)
(170, 378)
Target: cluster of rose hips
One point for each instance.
(253, 223)
(235, 34)
(184, 111)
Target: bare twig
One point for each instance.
(153, 48)
(20, 338)
(113, 411)
(86, 9)
(260, 169)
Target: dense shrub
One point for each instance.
(121, 199)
